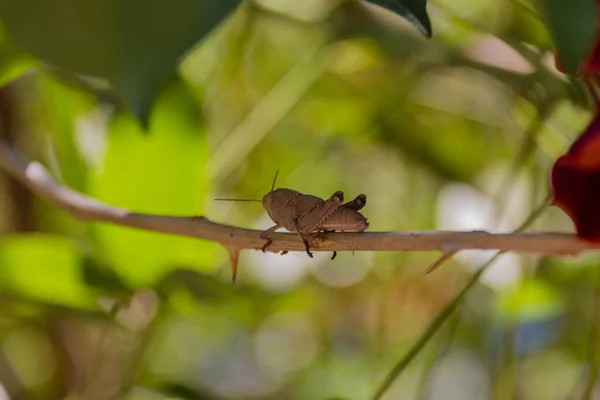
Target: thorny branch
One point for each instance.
(35, 177)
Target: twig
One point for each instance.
(34, 176)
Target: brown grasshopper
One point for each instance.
(306, 214)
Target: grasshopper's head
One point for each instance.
(276, 200)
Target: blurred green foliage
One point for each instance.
(453, 132)
(132, 44)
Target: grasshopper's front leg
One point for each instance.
(307, 223)
(265, 235)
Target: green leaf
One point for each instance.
(98, 276)
(533, 299)
(203, 287)
(573, 26)
(134, 44)
(60, 105)
(13, 61)
(162, 173)
(414, 11)
(43, 268)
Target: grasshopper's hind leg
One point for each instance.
(310, 220)
(357, 203)
(305, 238)
(306, 245)
(266, 235)
(334, 254)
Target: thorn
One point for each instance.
(234, 253)
(334, 255)
(283, 253)
(445, 256)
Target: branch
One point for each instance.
(35, 177)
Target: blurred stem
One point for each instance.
(430, 331)
(506, 378)
(593, 344)
(528, 147)
(94, 367)
(442, 349)
(505, 190)
(527, 53)
(268, 112)
(524, 7)
(137, 358)
(507, 381)
(11, 130)
(592, 90)
(437, 323)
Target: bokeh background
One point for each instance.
(456, 132)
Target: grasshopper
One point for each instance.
(306, 214)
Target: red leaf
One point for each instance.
(576, 182)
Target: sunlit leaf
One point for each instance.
(60, 107)
(134, 44)
(532, 300)
(163, 173)
(43, 268)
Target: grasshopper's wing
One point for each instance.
(288, 215)
(344, 219)
(309, 221)
(305, 204)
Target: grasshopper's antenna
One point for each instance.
(274, 180)
(260, 201)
